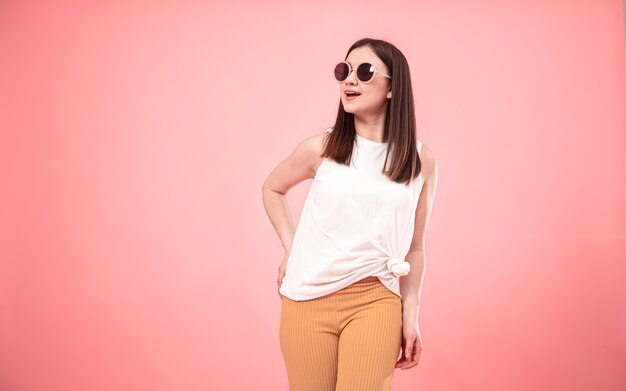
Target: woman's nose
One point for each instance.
(351, 77)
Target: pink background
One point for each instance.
(136, 253)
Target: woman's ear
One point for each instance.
(389, 95)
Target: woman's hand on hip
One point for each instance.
(281, 272)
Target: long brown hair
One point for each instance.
(400, 124)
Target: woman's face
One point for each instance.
(374, 94)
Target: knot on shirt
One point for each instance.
(398, 267)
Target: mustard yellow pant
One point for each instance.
(348, 340)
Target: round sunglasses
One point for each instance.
(364, 72)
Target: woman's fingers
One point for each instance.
(410, 356)
(408, 349)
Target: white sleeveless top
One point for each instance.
(355, 223)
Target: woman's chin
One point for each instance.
(349, 108)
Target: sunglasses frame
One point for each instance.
(350, 69)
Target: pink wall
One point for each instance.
(136, 253)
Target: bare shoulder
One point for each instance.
(429, 162)
(301, 164)
(310, 150)
(314, 144)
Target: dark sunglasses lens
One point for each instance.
(341, 71)
(365, 71)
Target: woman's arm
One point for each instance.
(301, 164)
(411, 284)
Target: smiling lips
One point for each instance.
(351, 94)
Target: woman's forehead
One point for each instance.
(363, 54)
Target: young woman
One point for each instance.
(351, 277)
